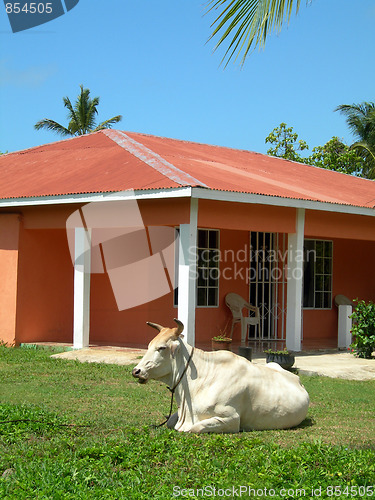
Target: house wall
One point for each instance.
(235, 220)
(114, 327)
(334, 225)
(45, 287)
(109, 326)
(242, 216)
(44, 270)
(37, 271)
(9, 251)
(353, 276)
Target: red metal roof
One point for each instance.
(111, 160)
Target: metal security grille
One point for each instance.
(268, 266)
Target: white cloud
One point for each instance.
(33, 76)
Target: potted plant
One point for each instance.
(221, 343)
(284, 358)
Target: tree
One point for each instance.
(244, 24)
(81, 117)
(361, 121)
(334, 155)
(286, 143)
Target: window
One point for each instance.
(208, 258)
(317, 275)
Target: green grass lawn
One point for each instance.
(83, 431)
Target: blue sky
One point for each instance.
(149, 61)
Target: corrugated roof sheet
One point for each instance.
(111, 160)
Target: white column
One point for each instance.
(187, 273)
(82, 268)
(294, 284)
(345, 326)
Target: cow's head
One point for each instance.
(156, 363)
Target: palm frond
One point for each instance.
(91, 113)
(53, 126)
(108, 123)
(360, 119)
(72, 116)
(245, 24)
(365, 150)
(81, 116)
(80, 108)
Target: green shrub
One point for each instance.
(363, 329)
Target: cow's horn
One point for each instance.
(155, 325)
(180, 327)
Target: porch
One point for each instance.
(258, 257)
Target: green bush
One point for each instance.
(363, 329)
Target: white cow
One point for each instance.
(220, 391)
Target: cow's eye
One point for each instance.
(162, 347)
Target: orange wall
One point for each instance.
(45, 294)
(333, 225)
(353, 276)
(110, 326)
(45, 272)
(47, 216)
(9, 243)
(171, 211)
(242, 216)
(45, 287)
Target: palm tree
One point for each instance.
(244, 24)
(361, 121)
(81, 117)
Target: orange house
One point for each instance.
(103, 232)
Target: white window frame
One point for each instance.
(207, 306)
(175, 294)
(323, 275)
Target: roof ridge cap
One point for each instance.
(152, 159)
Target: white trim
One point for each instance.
(187, 273)
(187, 192)
(261, 199)
(344, 326)
(197, 269)
(331, 276)
(82, 268)
(184, 192)
(295, 285)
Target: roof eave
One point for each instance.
(187, 192)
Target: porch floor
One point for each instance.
(258, 346)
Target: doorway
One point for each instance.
(267, 283)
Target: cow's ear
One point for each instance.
(174, 347)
